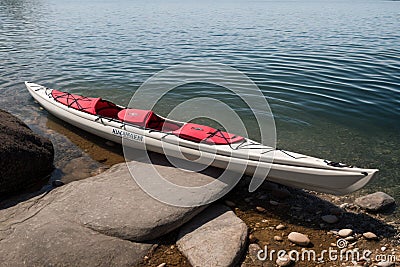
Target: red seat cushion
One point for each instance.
(201, 133)
(135, 116)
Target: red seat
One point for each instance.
(201, 133)
(136, 116)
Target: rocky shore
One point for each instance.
(107, 220)
(25, 157)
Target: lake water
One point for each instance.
(329, 69)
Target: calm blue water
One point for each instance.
(329, 69)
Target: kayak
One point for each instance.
(158, 134)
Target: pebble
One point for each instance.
(345, 232)
(273, 203)
(260, 209)
(252, 238)
(344, 205)
(350, 238)
(386, 264)
(299, 239)
(330, 219)
(383, 249)
(230, 204)
(162, 264)
(278, 238)
(370, 235)
(280, 227)
(284, 261)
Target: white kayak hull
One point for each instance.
(288, 168)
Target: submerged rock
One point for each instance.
(375, 202)
(25, 157)
(215, 237)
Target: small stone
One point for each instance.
(280, 227)
(299, 239)
(344, 205)
(375, 202)
(162, 264)
(330, 219)
(345, 232)
(350, 238)
(370, 236)
(333, 244)
(278, 238)
(230, 204)
(284, 261)
(383, 249)
(260, 209)
(273, 203)
(386, 264)
(252, 238)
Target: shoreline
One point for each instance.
(262, 211)
(109, 154)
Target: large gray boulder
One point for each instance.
(93, 221)
(375, 202)
(215, 237)
(25, 157)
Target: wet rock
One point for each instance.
(298, 239)
(345, 232)
(331, 219)
(215, 237)
(375, 202)
(25, 157)
(370, 236)
(79, 168)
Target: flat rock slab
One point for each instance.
(375, 202)
(89, 222)
(215, 237)
(60, 243)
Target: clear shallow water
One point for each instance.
(329, 69)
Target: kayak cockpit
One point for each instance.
(146, 119)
